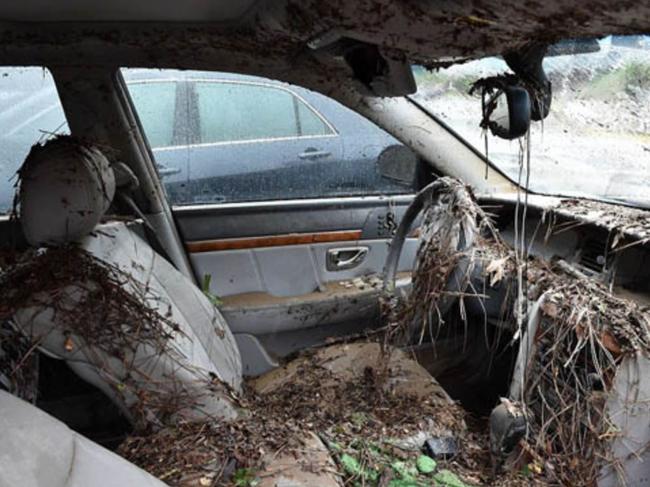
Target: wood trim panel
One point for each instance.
(199, 246)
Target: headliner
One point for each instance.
(124, 10)
(271, 36)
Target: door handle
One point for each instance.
(167, 171)
(312, 153)
(345, 258)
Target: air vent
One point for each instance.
(594, 256)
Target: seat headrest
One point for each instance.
(66, 186)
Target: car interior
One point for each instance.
(153, 279)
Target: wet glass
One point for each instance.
(596, 140)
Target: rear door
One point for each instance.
(291, 246)
(254, 141)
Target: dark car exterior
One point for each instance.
(240, 138)
(218, 137)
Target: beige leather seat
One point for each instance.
(66, 188)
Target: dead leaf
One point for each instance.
(610, 343)
(496, 270)
(550, 309)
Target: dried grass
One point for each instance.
(585, 333)
(103, 309)
(445, 261)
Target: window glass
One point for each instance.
(231, 112)
(254, 139)
(594, 142)
(30, 112)
(310, 123)
(155, 103)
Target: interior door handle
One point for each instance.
(312, 153)
(344, 258)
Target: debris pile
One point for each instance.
(623, 223)
(370, 405)
(363, 404)
(103, 308)
(584, 333)
(452, 245)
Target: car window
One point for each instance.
(30, 112)
(233, 112)
(155, 104)
(254, 139)
(310, 124)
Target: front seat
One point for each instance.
(66, 188)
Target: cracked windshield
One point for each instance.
(595, 141)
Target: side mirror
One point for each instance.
(398, 163)
(507, 112)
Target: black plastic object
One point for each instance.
(519, 114)
(527, 65)
(380, 72)
(441, 448)
(504, 89)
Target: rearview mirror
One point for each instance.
(398, 162)
(507, 112)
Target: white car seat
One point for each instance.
(38, 451)
(66, 188)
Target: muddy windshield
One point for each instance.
(596, 140)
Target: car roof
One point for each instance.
(290, 40)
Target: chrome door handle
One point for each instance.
(344, 258)
(167, 171)
(312, 153)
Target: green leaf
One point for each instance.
(405, 470)
(426, 465)
(205, 287)
(448, 479)
(351, 465)
(404, 483)
(244, 477)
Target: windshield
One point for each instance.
(596, 140)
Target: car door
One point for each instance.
(291, 247)
(255, 140)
